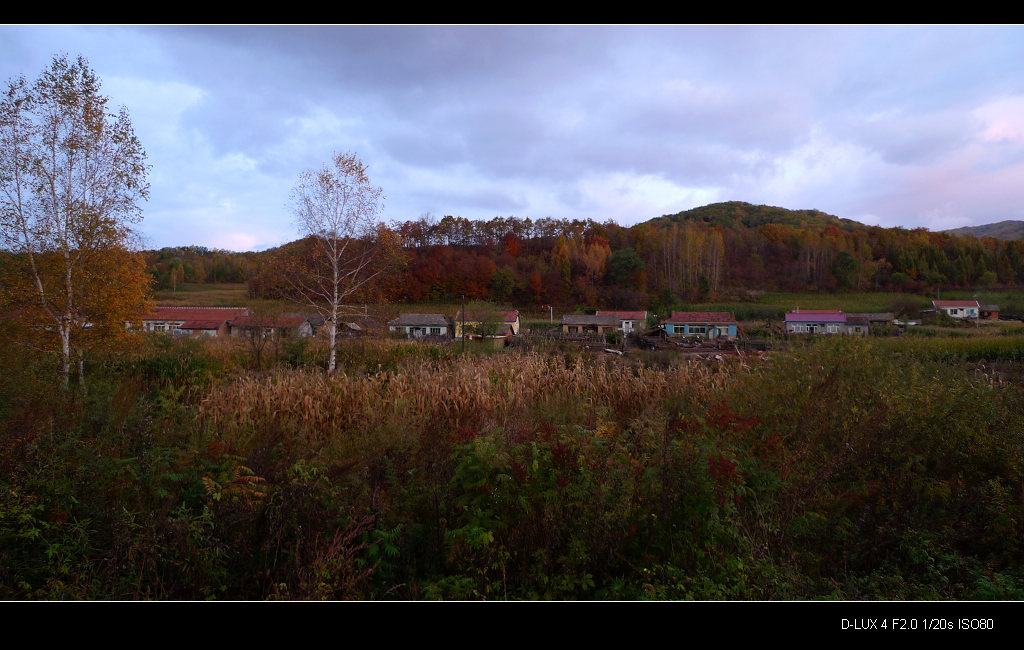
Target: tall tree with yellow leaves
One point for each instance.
(72, 175)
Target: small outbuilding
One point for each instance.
(588, 324)
(490, 323)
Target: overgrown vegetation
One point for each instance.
(862, 469)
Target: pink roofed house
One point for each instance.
(816, 321)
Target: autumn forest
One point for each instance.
(716, 252)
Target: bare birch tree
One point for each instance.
(71, 177)
(336, 207)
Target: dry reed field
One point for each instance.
(334, 417)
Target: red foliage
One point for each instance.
(726, 474)
(723, 418)
(512, 244)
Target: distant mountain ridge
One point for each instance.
(1005, 230)
(733, 214)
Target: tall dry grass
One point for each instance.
(352, 415)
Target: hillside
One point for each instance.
(704, 254)
(736, 214)
(1005, 230)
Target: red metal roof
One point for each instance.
(955, 303)
(700, 317)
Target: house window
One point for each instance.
(698, 329)
(435, 330)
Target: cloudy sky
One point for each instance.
(908, 126)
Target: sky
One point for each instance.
(906, 126)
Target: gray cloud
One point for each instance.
(605, 122)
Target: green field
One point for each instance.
(205, 295)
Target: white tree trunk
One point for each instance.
(332, 337)
(65, 351)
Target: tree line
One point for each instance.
(567, 263)
(170, 267)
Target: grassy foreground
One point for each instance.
(847, 469)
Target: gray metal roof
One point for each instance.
(590, 319)
(405, 320)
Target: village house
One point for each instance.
(989, 312)
(360, 326)
(282, 324)
(876, 320)
(192, 321)
(858, 324)
(588, 324)
(629, 321)
(417, 326)
(835, 321)
(816, 321)
(316, 320)
(958, 308)
(491, 323)
(705, 324)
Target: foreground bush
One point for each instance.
(847, 469)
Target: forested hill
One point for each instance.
(736, 214)
(715, 253)
(1006, 230)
